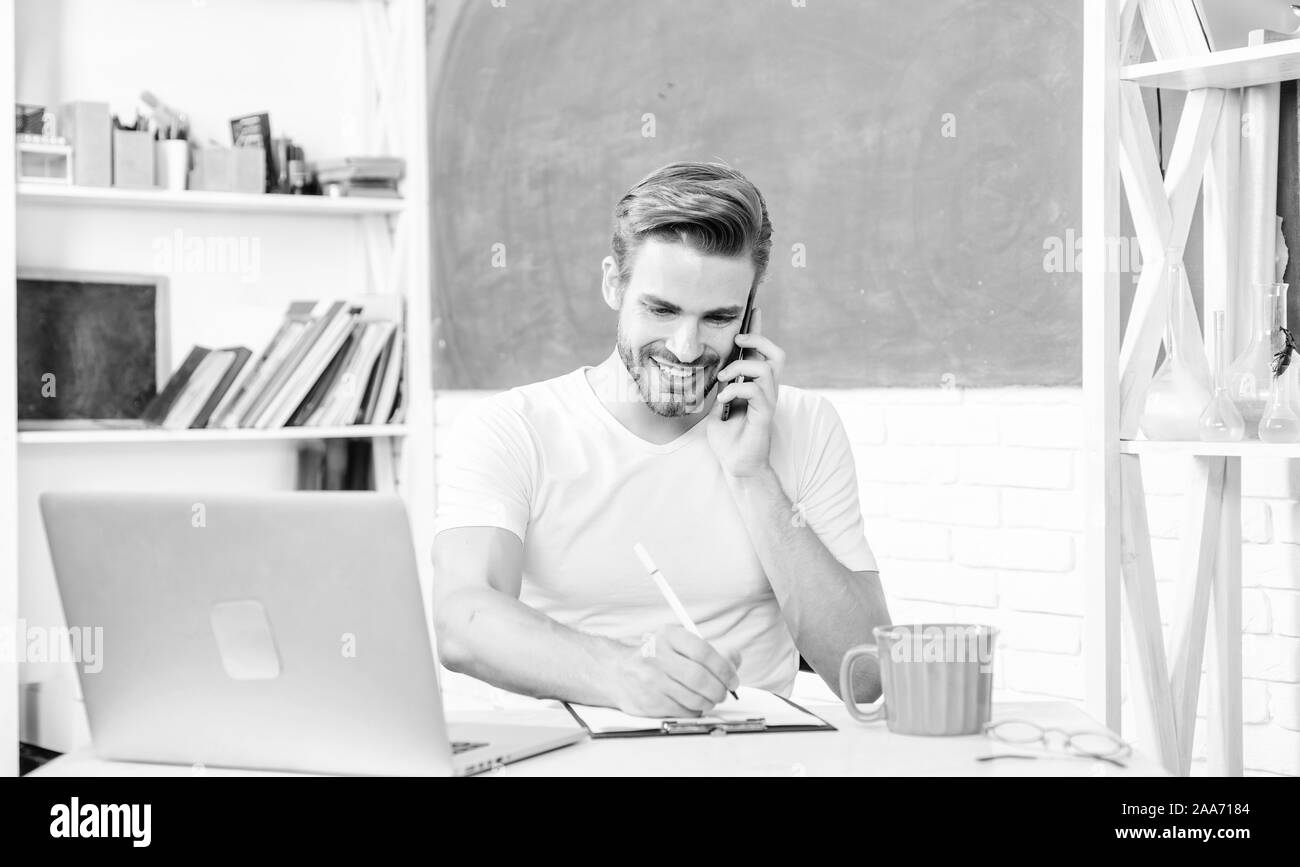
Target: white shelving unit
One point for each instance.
(1226, 70)
(1223, 450)
(198, 200)
(153, 436)
(389, 249)
(1216, 158)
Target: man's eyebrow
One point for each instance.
(733, 310)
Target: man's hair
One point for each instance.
(710, 207)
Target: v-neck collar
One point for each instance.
(593, 403)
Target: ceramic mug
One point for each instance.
(936, 678)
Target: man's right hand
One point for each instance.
(673, 673)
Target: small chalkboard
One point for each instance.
(91, 347)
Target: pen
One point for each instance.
(673, 602)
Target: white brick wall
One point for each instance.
(1033, 550)
(972, 502)
(1048, 510)
(1284, 607)
(1016, 467)
(1284, 704)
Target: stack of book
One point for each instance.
(329, 364)
(376, 177)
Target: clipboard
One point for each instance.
(757, 712)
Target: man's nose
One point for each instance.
(685, 343)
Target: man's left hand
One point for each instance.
(743, 442)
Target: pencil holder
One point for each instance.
(171, 163)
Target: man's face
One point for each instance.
(678, 321)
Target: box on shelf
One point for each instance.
(43, 159)
(88, 128)
(132, 158)
(228, 170)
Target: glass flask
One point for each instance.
(1176, 396)
(1221, 422)
(1250, 376)
(1280, 423)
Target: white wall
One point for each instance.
(215, 59)
(973, 506)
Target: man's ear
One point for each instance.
(609, 283)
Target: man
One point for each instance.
(754, 521)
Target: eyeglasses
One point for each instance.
(1083, 744)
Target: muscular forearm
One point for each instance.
(827, 608)
(489, 635)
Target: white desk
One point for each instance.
(855, 749)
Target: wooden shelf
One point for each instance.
(1243, 449)
(195, 200)
(155, 436)
(1237, 67)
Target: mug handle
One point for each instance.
(877, 710)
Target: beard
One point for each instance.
(665, 396)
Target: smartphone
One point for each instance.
(738, 351)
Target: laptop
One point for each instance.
(276, 631)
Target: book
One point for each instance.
(356, 190)
(335, 473)
(286, 337)
(341, 381)
(239, 360)
(357, 375)
(386, 403)
(232, 393)
(322, 313)
(254, 131)
(157, 409)
(328, 363)
(310, 408)
(336, 327)
(383, 312)
(371, 167)
(399, 408)
(310, 475)
(373, 388)
(360, 472)
(197, 391)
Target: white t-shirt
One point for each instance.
(550, 464)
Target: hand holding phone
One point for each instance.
(738, 351)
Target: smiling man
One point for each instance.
(754, 521)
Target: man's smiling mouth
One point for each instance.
(676, 371)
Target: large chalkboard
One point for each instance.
(89, 346)
(922, 153)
